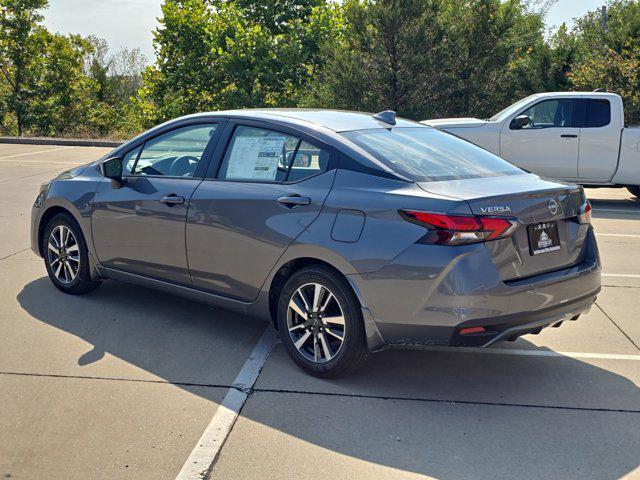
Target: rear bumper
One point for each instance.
(429, 293)
(513, 326)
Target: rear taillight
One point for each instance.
(585, 213)
(460, 229)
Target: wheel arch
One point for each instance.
(46, 217)
(289, 268)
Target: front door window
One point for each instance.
(172, 154)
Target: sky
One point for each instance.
(130, 23)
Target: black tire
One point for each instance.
(634, 190)
(82, 283)
(353, 350)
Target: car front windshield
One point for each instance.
(427, 155)
(502, 114)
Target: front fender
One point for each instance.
(74, 197)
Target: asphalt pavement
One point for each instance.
(122, 383)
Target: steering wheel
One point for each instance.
(184, 165)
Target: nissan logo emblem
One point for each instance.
(553, 206)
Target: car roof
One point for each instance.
(574, 94)
(335, 120)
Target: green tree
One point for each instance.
(611, 59)
(216, 56)
(278, 15)
(63, 96)
(427, 58)
(97, 66)
(386, 55)
(44, 88)
(20, 48)
(495, 54)
(562, 55)
(117, 77)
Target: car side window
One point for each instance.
(262, 155)
(549, 114)
(258, 154)
(310, 160)
(173, 154)
(598, 113)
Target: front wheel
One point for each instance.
(66, 256)
(635, 190)
(320, 322)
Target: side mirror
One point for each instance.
(521, 121)
(303, 160)
(112, 168)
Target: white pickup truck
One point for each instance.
(579, 137)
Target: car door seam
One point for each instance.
(276, 266)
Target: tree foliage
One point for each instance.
(214, 55)
(422, 58)
(611, 59)
(434, 57)
(20, 45)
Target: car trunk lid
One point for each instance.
(549, 236)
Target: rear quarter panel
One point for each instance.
(375, 202)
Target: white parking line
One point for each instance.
(208, 447)
(622, 275)
(6, 157)
(43, 161)
(616, 235)
(611, 210)
(536, 353)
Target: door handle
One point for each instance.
(568, 135)
(293, 200)
(172, 199)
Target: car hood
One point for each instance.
(455, 122)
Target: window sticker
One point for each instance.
(255, 158)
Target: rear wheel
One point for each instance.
(66, 256)
(635, 190)
(320, 322)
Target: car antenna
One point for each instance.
(388, 116)
(599, 90)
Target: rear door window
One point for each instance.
(598, 113)
(263, 155)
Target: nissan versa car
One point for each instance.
(351, 232)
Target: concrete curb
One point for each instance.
(72, 142)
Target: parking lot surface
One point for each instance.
(122, 383)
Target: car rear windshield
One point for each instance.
(429, 155)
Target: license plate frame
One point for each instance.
(543, 238)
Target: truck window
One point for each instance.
(598, 113)
(550, 113)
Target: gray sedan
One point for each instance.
(351, 232)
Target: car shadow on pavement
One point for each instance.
(443, 414)
(168, 337)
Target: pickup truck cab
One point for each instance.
(578, 137)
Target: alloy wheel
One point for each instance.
(316, 322)
(63, 253)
